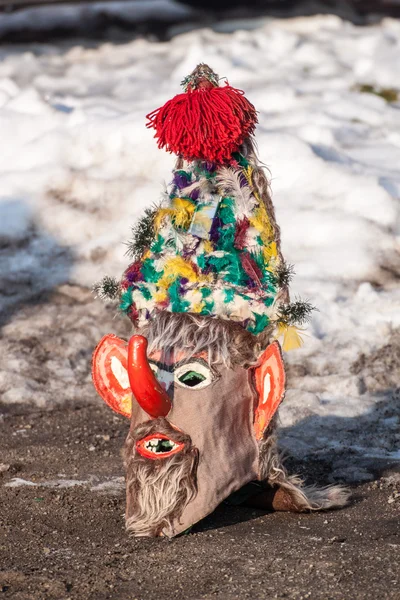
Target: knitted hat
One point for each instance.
(212, 246)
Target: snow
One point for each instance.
(78, 166)
(108, 485)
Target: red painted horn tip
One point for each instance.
(138, 340)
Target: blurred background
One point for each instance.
(77, 168)
(35, 20)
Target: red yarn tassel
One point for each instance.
(207, 124)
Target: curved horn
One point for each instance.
(149, 394)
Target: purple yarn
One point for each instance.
(194, 194)
(252, 284)
(209, 166)
(133, 273)
(181, 287)
(181, 180)
(243, 180)
(214, 231)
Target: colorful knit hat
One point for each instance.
(212, 246)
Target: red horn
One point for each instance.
(145, 387)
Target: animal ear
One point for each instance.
(270, 385)
(110, 374)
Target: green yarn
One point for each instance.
(205, 292)
(158, 244)
(199, 169)
(183, 173)
(177, 303)
(208, 308)
(243, 162)
(145, 291)
(126, 300)
(201, 261)
(261, 322)
(229, 295)
(148, 271)
(235, 273)
(208, 304)
(229, 262)
(269, 300)
(226, 238)
(226, 211)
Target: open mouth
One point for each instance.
(158, 445)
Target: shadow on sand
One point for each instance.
(351, 463)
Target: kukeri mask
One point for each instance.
(206, 259)
(195, 427)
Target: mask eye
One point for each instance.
(193, 375)
(166, 378)
(154, 368)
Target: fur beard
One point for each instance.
(158, 490)
(302, 498)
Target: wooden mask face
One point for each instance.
(202, 444)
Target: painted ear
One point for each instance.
(270, 384)
(110, 374)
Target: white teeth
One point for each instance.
(153, 444)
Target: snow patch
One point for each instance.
(108, 485)
(78, 166)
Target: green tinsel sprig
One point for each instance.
(284, 274)
(295, 313)
(143, 234)
(107, 288)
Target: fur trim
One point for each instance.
(224, 341)
(309, 498)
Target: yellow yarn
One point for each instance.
(262, 223)
(158, 219)
(174, 268)
(181, 214)
(291, 337)
(260, 220)
(270, 251)
(248, 173)
(197, 308)
(147, 254)
(160, 296)
(208, 247)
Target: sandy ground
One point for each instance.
(62, 499)
(64, 542)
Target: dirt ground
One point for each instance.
(64, 537)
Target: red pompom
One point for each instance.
(209, 123)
